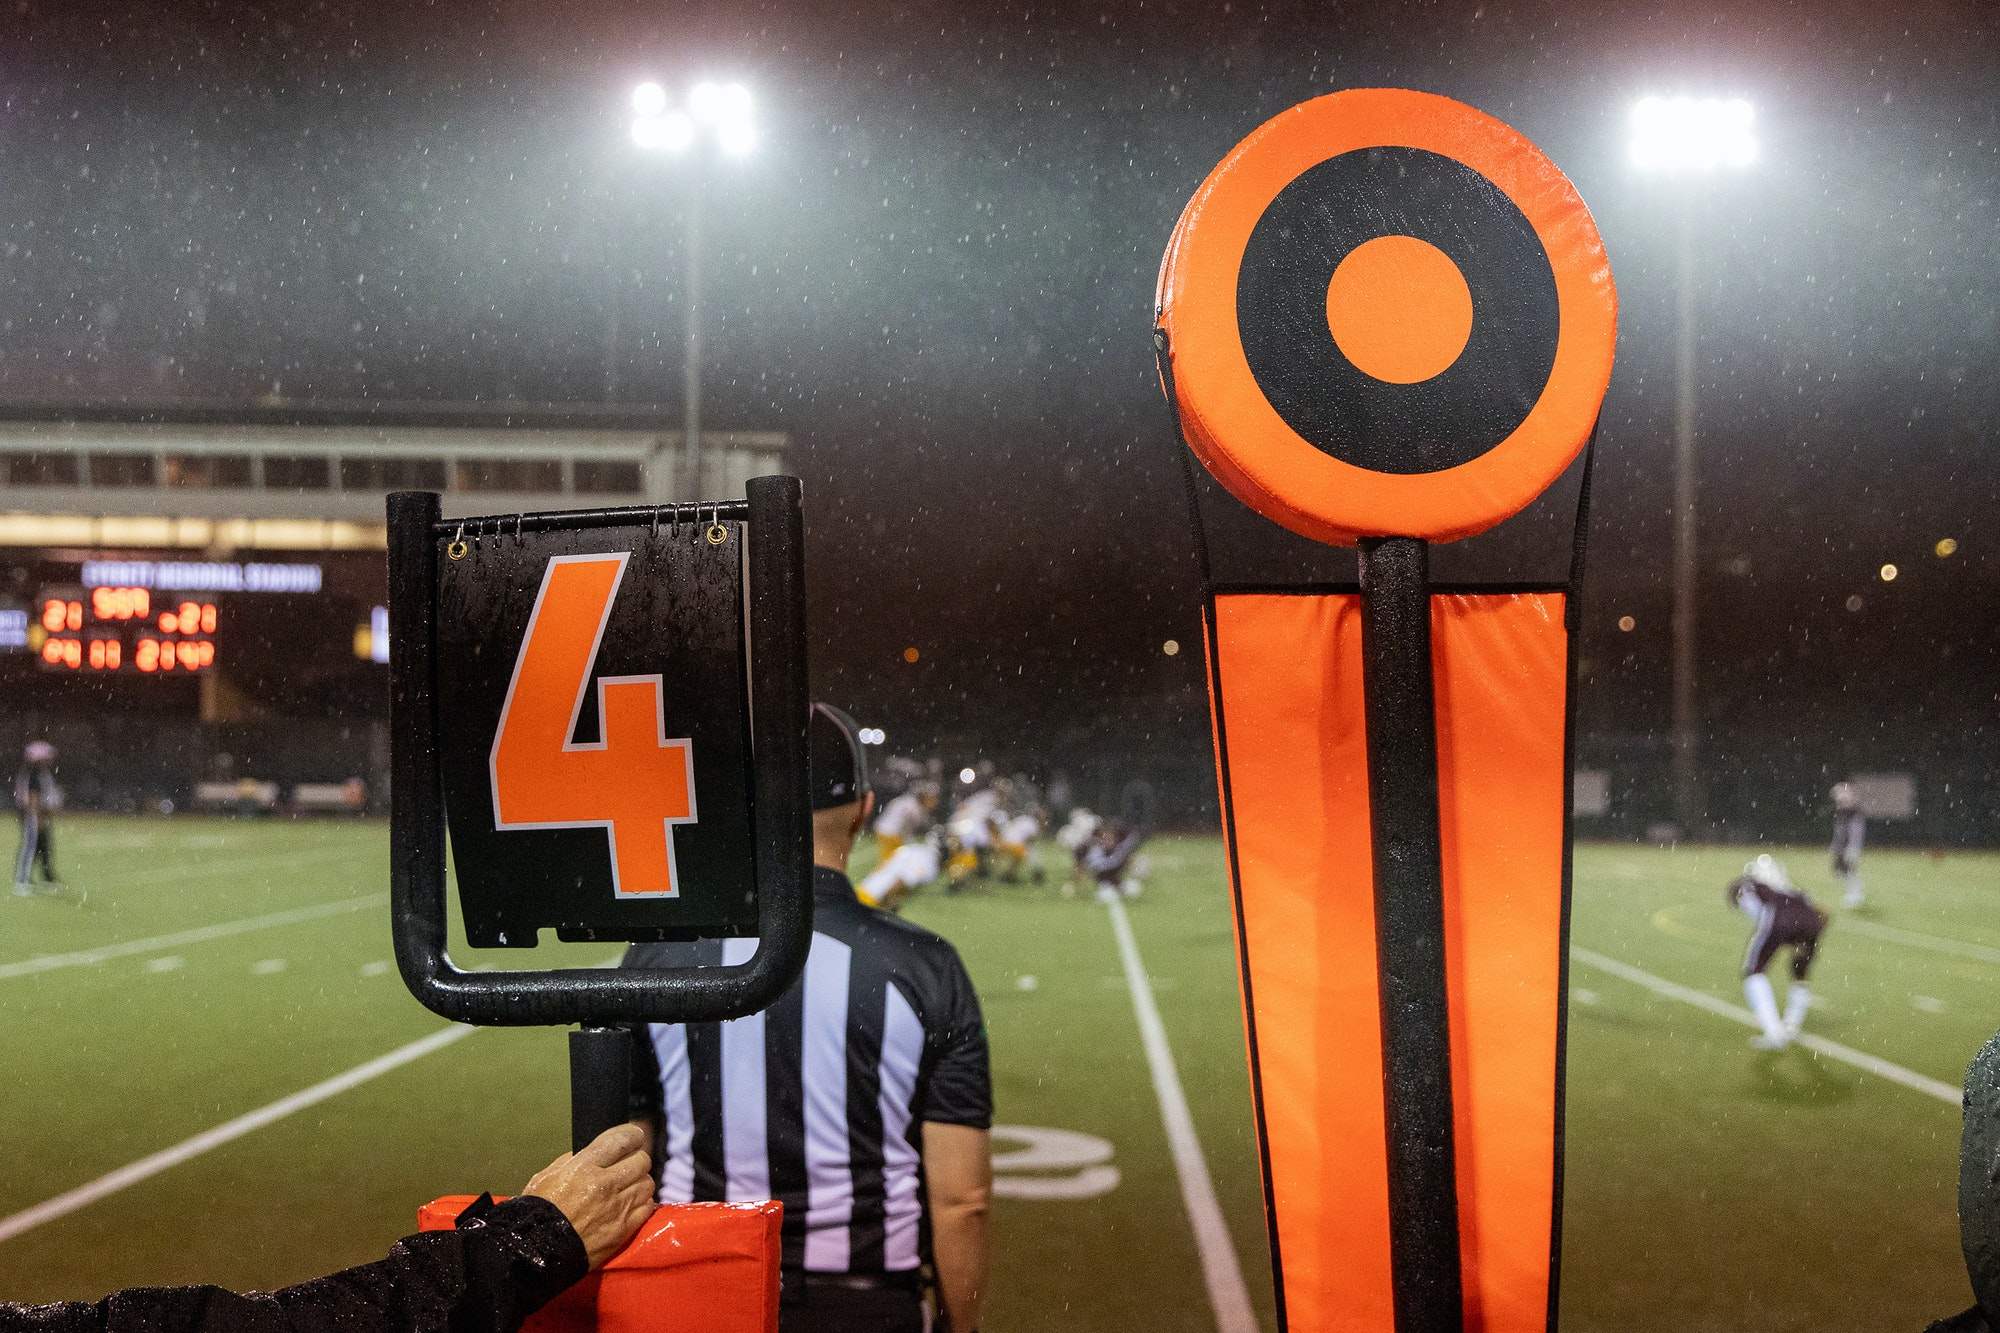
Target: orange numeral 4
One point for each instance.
(634, 782)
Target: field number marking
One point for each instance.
(125, 1176)
(1664, 922)
(1220, 1268)
(632, 782)
(1026, 1172)
(49, 962)
(1833, 1050)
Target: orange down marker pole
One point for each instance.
(1386, 320)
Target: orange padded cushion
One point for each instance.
(711, 1267)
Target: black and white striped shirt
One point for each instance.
(819, 1101)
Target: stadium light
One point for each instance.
(671, 132)
(1692, 133)
(1677, 137)
(723, 109)
(967, 776)
(720, 114)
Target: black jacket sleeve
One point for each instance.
(1971, 1321)
(504, 1262)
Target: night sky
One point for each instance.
(937, 270)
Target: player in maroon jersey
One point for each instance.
(1785, 918)
(1849, 825)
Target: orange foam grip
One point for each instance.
(706, 1266)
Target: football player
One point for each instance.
(1848, 825)
(971, 832)
(1110, 858)
(1074, 837)
(903, 819)
(1784, 919)
(913, 865)
(1014, 846)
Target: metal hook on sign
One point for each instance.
(456, 550)
(517, 530)
(717, 534)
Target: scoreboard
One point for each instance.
(124, 629)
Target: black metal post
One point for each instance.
(1400, 708)
(416, 800)
(600, 1082)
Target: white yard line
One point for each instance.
(85, 957)
(195, 869)
(1219, 1265)
(1916, 1082)
(104, 1186)
(1918, 940)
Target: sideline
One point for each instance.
(1220, 1267)
(104, 1186)
(1918, 940)
(49, 962)
(1910, 1079)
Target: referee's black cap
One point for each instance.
(837, 763)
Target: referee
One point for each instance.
(861, 1099)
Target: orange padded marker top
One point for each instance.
(1388, 314)
(711, 1267)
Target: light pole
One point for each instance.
(1685, 137)
(717, 116)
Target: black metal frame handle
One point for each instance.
(783, 821)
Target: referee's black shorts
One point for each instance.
(843, 1303)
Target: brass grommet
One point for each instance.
(457, 548)
(717, 534)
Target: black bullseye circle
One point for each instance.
(1281, 310)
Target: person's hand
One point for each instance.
(605, 1191)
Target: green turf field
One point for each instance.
(1709, 1187)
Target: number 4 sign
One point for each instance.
(632, 782)
(560, 687)
(594, 724)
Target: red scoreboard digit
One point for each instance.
(124, 629)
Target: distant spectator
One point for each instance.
(36, 800)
